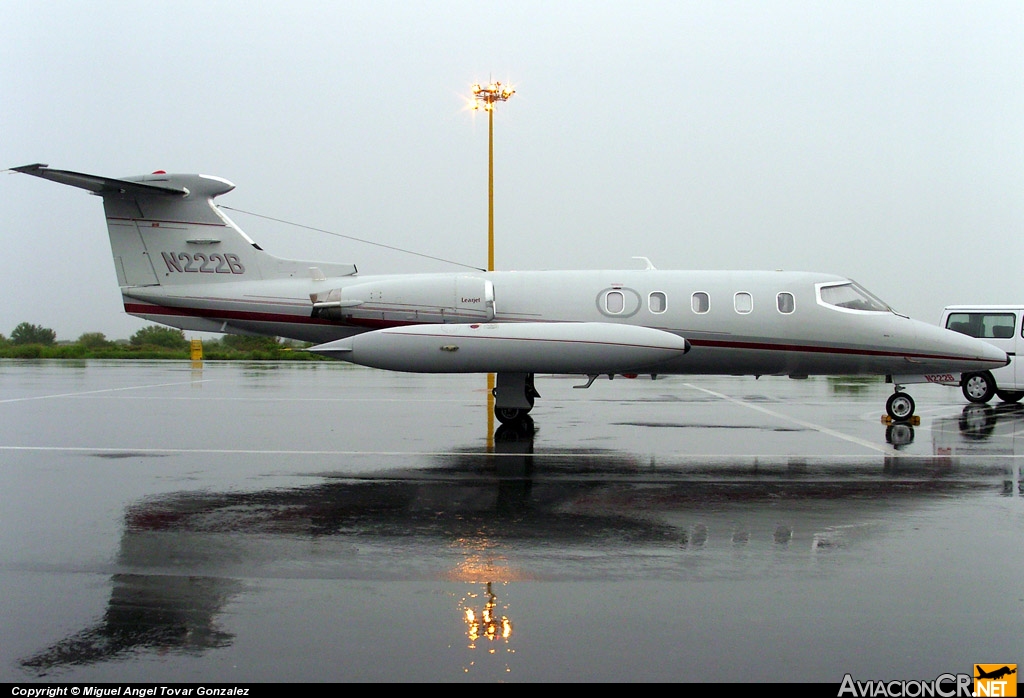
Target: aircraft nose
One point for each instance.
(1002, 355)
(955, 352)
(982, 351)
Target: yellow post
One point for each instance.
(196, 350)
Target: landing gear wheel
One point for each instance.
(900, 407)
(1010, 395)
(514, 395)
(978, 387)
(510, 415)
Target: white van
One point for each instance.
(1000, 326)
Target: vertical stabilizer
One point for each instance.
(165, 230)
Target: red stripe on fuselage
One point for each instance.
(815, 349)
(221, 314)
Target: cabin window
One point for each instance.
(983, 325)
(657, 302)
(700, 302)
(614, 302)
(785, 302)
(743, 302)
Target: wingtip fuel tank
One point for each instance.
(543, 347)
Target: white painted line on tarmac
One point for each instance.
(810, 425)
(97, 392)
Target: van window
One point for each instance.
(785, 302)
(743, 302)
(700, 302)
(657, 302)
(983, 325)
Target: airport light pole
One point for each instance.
(487, 96)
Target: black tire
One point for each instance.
(900, 407)
(978, 387)
(510, 415)
(1010, 395)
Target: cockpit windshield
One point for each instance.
(849, 295)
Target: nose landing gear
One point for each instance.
(900, 406)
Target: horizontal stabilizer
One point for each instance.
(97, 184)
(524, 347)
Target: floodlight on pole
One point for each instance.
(487, 96)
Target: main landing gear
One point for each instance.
(514, 396)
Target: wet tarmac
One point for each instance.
(321, 522)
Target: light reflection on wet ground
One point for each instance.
(274, 522)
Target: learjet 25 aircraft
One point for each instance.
(182, 262)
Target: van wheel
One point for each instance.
(978, 387)
(1010, 395)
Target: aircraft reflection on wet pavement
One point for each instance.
(491, 519)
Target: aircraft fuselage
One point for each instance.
(735, 322)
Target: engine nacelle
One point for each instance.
(410, 300)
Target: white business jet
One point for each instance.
(182, 262)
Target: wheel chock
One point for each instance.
(914, 421)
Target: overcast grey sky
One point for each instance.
(879, 140)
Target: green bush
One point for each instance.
(240, 342)
(25, 351)
(94, 340)
(154, 342)
(156, 336)
(25, 333)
